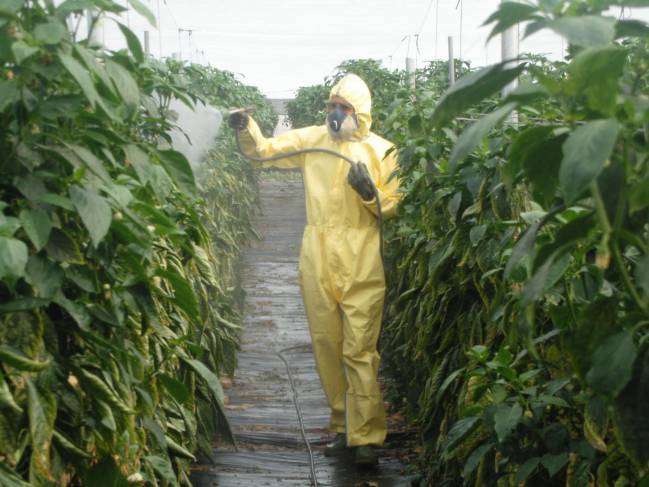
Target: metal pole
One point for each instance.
(180, 46)
(509, 52)
(461, 30)
(159, 30)
(147, 43)
(189, 35)
(410, 69)
(451, 62)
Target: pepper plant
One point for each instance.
(528, 234)
(116, 317)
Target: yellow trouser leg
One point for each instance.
(362, 309)
(326, 327)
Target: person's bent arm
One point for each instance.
(387, 187)
(253, 142)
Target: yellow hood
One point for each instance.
(353, 89)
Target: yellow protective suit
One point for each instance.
(341, 272)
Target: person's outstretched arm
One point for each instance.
(253, 142)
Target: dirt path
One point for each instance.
(271, 451)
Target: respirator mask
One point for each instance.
(340, 124)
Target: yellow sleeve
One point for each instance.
(253, 142)
(387, 185)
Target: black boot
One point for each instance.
(365, 456)
(337, 447)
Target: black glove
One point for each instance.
(359, 179)
(238, 120)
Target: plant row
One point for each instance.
(117, 287)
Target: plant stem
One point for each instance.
(617, 255)
(601, 210)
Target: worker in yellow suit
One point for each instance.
(341, 270)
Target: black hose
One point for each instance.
(379, 212)
(314, 477)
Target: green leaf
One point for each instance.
(7, 401)
(24, 304)
(141, 163)
(475, 458)
(631, 28)
(97, 387)
(144, 11)
(509, 14)
(525, 470)
(177, 389)
(69, 446)
(55, 200)
(162, 467)
(506, 419)
(133, 42)
(18, 360)
(37, 225)
(9, 8)
(84, 158)
(185, 297)
(473, 135)
(81, 76)
(554, 463)
(639, 196)
(612, 364)
(125, 84)
(544, 278)
(586, 30)
(22, 51)
(523, 248)
(210, 379)
(631, 422)
(460, 430)
(105, 474)
(179, 169)
(13, 257)
(89, 58)
(94, 211)
(584, 154)
(414, 124)
(9, 226)
(642, 273)
(538, 153)
(595, 73)
(216, 390)
(9, 478)
(44, 276)
(51, 32)
(553, 400)
(153, 427)
(472, 88)
(477, 233)
(42, 412)
(9, 93)
(527, 93)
